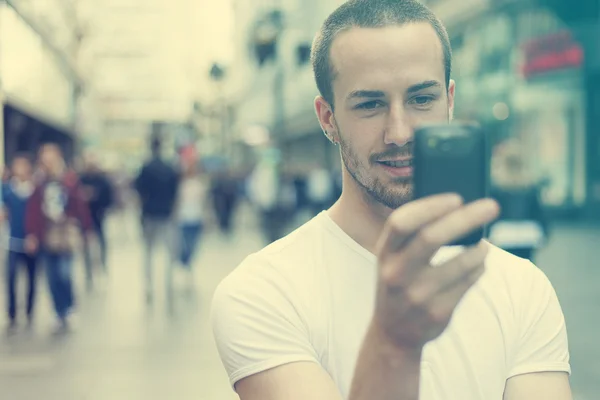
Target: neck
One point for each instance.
(358, 216)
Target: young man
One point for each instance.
(15, 195)
(367, 301)
(57, 214)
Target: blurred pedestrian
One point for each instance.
(265, 190)
(99, 194)
(522, 226)
(190, 212)
(15, 195)
(157, 184)
(56, 217)
(225, 193)
(320, 189)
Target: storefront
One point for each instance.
(520, 73)
(36, 89)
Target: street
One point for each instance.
(122, 348)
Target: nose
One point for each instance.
(398, 129)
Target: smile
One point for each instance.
(397, 164)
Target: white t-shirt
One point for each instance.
(192, 195)
(310, 297)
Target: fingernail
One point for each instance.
(455, 199)
(491, 205)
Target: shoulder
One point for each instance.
(501, 263)
(261, 314)
(517, 281)
(284, 262)
(276, 278)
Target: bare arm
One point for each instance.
(546, 385)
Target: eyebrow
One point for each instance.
(376, 94)
(423, 85)
(371, 94)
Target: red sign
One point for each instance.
(550, 53)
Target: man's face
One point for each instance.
(388, 81)
(21, 168)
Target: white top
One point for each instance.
(263, 187)
(310, 297)
(320, 185)
(191, 201)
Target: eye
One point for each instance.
(370, 105)
(422, 101)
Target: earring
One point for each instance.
(328, 136)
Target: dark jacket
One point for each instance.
(519, 204)
(102, 194)
(157, 185)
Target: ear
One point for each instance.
(451, 92)
(326, 120)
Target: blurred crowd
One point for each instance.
(53, 211)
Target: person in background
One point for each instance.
(157, 184)
(15, 195)
(225, 193)
(522, 226)
(320, 189)
(190, 211)
(264, 188)
(56, 217)
(99, 194)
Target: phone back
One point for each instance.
(452, 159)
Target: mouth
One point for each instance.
(397, 163)
(398, 168)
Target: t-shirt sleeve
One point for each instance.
(256, 324)
(542, 344)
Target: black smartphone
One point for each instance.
(452, 158)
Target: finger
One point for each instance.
(450, 228)
(430, 281)
(423, 284)
(408, 219)
(443, 304)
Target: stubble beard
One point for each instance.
(392, 195)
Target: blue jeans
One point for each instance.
(59, 270)
(12, 268)
(189, 236)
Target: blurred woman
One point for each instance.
(190, 211)
(522, 227)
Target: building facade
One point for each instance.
(37, 85)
